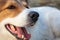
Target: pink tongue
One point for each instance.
(22, 31)
(19, 31)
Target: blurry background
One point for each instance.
(53, 3)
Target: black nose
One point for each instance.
(34, 15)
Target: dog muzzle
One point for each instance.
(18, 32)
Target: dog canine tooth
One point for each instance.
(12, 27)
(22, 36)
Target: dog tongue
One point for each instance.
(20, 31)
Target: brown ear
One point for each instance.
(25, 3)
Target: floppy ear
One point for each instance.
(25, 3)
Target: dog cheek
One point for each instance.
(22, 18)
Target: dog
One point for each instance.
(20, 22)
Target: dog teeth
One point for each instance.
(22, 36)
(12, 27)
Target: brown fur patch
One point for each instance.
(5, 12)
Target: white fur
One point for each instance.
(48, 22)
(20, 20)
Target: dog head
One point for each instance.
(14, 17)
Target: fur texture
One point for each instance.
(47, 26)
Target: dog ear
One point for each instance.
(25, 3)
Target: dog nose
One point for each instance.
(34, 15)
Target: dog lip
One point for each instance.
(20, 32)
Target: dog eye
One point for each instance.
(11, 7)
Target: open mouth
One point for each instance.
(20, 32)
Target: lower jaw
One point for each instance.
(18, 31)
